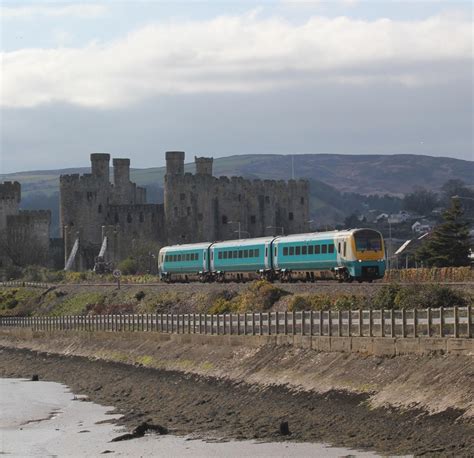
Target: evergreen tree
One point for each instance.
(449, 242)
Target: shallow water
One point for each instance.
(46, 419)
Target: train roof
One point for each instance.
(187, 246)
(243, 242)
(319, 235)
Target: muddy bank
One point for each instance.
(188, 403)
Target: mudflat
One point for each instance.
(210, 407)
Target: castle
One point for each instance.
(105, 220)
(24, 235)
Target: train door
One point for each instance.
(275, 255)
(204, 260)
(268, 247)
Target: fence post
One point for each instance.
(231, 322)
(224, 323)
(302, 323)
(311, 323)
(339, 323)
(349, 323)
(456, 322)
(321, 328)
(238, 324)
(428, 320)
(382, 322)
(469, 322)
(415, 322)
(361, 323)
(285, 323)
(371, 323)
(392, 323)
(329, 323)
(441, 321)
(253, 323)
(293, 322)
(260, 323)
(404, 322)
(269, 328)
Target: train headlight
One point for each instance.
(360, 260)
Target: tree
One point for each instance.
(22, 248)
(449, 242)
(420, 201)
(457, 187)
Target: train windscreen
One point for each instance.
(368, 241)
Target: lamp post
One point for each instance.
(277, 227)
(239, 230)
(389, 243)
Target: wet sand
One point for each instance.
(46, 419)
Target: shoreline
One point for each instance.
(187, 403)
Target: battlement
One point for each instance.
(10, 190)
(203, 165)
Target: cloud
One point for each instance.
(244, 53)
(77, 10)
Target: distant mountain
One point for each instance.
(331, 176)
(365, 174)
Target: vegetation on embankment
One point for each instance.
(218, 298)
(41, 274)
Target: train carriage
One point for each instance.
(356, 254)
(184, 262)
(241, 260)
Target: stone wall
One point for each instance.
(10, 196)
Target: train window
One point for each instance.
(331, 248)
(250, 253)
(187, 256)
(292, 250)
(236, 254)
(179, 257)
(339, 247)
(324, 249)
(344, 248)
(257, 253)
(241, 253)
(219, 255)
(317, 249)
(297, 250)
(310, 249)
(304, 250)
(285, 251)
(275, 251)
(246, 253)
(226, 255)
(266, 252)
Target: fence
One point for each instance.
(29, 284)
(440, 322)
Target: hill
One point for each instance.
(332, 177)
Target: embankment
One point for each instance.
(243, 387)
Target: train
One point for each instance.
(347, 255)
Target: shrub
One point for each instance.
(128, 266)
(386, 297)
(140, 295)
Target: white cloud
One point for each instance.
(238, 53)
(76, 10)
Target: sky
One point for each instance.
(218, 78)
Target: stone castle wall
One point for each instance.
(10, 197)
(202, 207)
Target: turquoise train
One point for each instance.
(348, 255)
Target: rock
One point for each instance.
(35, 378)
(284, 428)
(140, 431)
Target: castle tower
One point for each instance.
(121, 172)
(174, 162)
(100, 166)
(10, 196)
(203, 165)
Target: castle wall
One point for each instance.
(204, 208)
(30, 224)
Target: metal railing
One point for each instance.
(437, 322)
